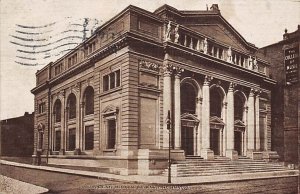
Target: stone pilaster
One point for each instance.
(199, 116)
(230, 152)
(257, 130)
(251, 123)
(63, 123)
(78, 124)
(206, 153)
(177, 110)
(167, 100)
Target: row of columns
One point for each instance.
(253, 142)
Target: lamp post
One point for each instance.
(169, 160)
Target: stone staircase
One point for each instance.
(197, 166)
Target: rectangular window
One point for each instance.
(106, 83)
(89, 137)
(112, 80)
(72, 60)
(42, 107)
(118, 78)
(72, 139)
(91, 48)
(58, 69)
(111, 128)
(220, 53)
(57, 140)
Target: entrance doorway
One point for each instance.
(238, 142)
(187, 140)
(215, 141)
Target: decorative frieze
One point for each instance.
(148, 65)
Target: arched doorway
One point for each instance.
(189, 121)
(216, 121)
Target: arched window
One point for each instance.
(89, 100)
(72, 106)
(188, 98)
(238, 107)
(215, 103)
(57, 110)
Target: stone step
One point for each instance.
(195, 166)
(225, 167)
(225, 164)
(222, 173)
(194, 173)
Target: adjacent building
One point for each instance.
(16, 136)
(284, 56)
(106, 102)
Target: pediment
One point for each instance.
(239, 123)
(110, 109)
(216, 120)
(190, 117)
(41, 127)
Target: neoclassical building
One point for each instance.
(105, 103)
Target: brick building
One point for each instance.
(284, 56)
(16, 136)
(106, 102)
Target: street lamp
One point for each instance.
(169, 161)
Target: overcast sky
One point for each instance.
(260, 22)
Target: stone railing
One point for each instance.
(196, 41)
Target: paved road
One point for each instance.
(71, 184)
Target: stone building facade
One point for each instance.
(106, 103)
(284, 56)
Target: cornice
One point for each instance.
(181, 48)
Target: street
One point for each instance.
(65, 183)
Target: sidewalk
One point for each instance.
(9, 185)
(159, 179)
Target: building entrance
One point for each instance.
(215, 141)
(238, 142)
(187, 140)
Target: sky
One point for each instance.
(261, 22)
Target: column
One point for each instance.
(251, 123)
(206, 153)
(167, 97)
(257, 130)
(177, 111)
(230, 152)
